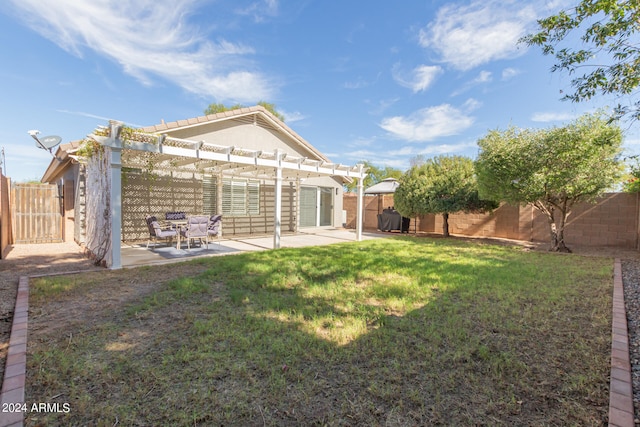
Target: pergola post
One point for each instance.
(360, 203)
(115, 201)
(277, 216)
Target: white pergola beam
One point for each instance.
(273, 165)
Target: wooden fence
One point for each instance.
(37, 213)
(6, 235)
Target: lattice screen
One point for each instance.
(155, 195)
(196, 195)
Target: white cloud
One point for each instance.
(483, 77)
(400, 158)
(292, 117)
(447, 148)
(361, 155)
(379, 107)
(428, 123)
(359, 83)
(151, 39)
(509, 73)
(546, 117)
(466, 36)
(471, 104)
(418, 79)
(260, 10)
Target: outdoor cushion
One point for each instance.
(175, 215)
(156, 232)
(214, 224)
(196, 228)
(163, 233)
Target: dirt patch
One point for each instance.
(30, 260)
(118, 288)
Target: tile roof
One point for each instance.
(231, 114)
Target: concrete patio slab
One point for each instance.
(138, 255)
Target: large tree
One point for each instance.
(607, 61)
(551, 169)
(441, 185)
(220, 108)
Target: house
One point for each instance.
(245, 164)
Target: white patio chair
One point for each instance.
(215, 227)
(157, 232)
(196, 228)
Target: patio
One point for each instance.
(134, 255)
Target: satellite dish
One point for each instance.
(48, 142)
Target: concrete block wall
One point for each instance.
(611, 221)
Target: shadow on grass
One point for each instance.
(378, 333)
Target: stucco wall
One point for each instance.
(243, 133)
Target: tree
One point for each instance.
(551, 169)
(220, 108)
(609, 38)
(631, 183)
(441, 185)
(374, 176)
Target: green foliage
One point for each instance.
(632, 182)
(221, 108)
(550, 168)
(88, 148)
(578, 162)
(609, 34)
(442, 185)
(374, 176)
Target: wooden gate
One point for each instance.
(37, 213)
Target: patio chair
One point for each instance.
(215, 227)
(196, 228)
(157, 232)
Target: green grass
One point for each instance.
(401, 331)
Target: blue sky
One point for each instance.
(378, 80)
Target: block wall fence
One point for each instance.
(612, 221)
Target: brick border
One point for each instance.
(621, 412)
(16, 363)
(621, 387)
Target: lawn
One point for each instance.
(400, 332)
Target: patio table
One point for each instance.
(177, 223)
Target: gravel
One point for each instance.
(631, 284)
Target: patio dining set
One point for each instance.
(181, 226)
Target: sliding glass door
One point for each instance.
(316, 206)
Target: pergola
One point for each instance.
(173, 153)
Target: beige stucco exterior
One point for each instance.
(181, 167)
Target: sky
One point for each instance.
(375, 81)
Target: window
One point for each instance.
(240, 197)
(210, 195)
